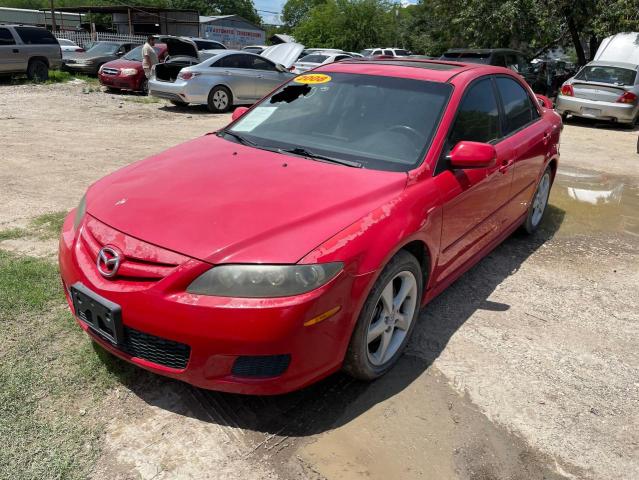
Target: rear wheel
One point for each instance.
(38, 71)
(539, 203)
(220, 100)
(387, 319)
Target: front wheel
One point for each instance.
(387, 319)
(539, 203)
(220, 100)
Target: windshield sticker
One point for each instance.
(254, 119)
(312, 78)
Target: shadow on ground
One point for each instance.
(339, 399)
(600, 124)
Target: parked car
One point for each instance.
(500, 57)
(230, 77)
(257, 49)
(549, 75)
(68, 46)
(316, 59)
(102, 52)
(602, 90)
(304, 237)
(126, 73)
(206, 44)
(28, 50)
(622, 47)
(390, 52)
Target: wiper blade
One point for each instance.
(238, 137)
(302, 152)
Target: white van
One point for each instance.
(622, 47)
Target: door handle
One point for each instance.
(505, 165)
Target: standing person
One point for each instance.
(149, 56)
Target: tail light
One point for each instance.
(627, 97)
(187, 75)
(567, 91)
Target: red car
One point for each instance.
(304, 237)
(126, 73)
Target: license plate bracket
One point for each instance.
(593, 112)
(101, 315)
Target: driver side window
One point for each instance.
(478, 115)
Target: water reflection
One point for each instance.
(596, 202)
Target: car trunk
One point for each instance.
(597, 91)
(168, 72)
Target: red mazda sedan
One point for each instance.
(305, 236)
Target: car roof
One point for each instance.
(415, 68)
(604, 63)
(481, 50)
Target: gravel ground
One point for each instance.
(526, 367)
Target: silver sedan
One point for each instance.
(602, 90)
(228, 78)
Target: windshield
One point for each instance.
(605, 74)
(103, 48)
(466, 57)
(383, 123)
(136, 53)
(314, 58)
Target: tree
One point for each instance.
(243, 8)
(295, 11)
(347, 24)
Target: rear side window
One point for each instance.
(5, 37)
(478, 116)
(518, 109)
(36, 36)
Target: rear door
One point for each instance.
(473, 198)
(9, 52)
(38, 42)
(238, 75)
(527, 136)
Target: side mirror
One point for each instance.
(544, 101)
(238, 112)
(473, 155)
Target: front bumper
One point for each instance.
(194, 92)
(90, 69)
(222, 332)
(582, 107)
(125, 82)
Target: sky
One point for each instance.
(264, 7)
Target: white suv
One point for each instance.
(393, 52)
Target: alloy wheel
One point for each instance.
(541, 199)
(392, 318)
(220, 100)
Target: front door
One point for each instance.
(267, 76)
(473, 199)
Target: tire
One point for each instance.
(113, 90)
(539, 203)
(220, 100)
(177, 103)
(37, 71)
(365, 358)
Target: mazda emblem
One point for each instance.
(108, 262)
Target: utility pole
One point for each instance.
(53, 26)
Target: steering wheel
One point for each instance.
(417, 137)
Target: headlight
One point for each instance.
(263, 281)
(79, 212)
(129, 72)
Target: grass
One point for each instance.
(44, 227)
(54, 384)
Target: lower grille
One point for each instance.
(261, 366)
(154, 349)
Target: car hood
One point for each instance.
(92, 58)
(122, 63)
(222, 202)
(285, 53)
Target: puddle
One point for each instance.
(593, 202)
